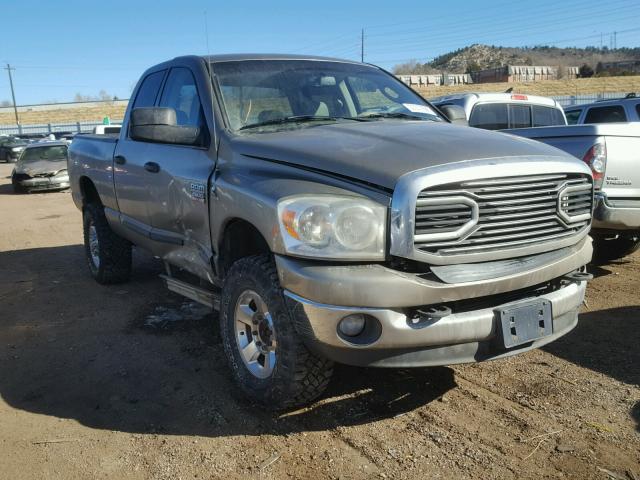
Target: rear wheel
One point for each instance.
(108, 255)
(613, 247)
(268, 359)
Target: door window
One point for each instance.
(181, 94)
(609, 114)
(148, 91)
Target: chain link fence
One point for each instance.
(48, 128)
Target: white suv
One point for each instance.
(499, 111)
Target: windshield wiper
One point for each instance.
(408, 116)
(299, 118)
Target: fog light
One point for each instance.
(352, 325)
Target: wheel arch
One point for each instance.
(88, 191)
(239, 239)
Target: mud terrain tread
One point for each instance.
(300, 375)
(115, 251)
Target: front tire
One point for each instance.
(17, 188)
(268, 359)
(108, 255)
(614, 247)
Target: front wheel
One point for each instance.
(108, 255)
(613, 247)
(268, 359)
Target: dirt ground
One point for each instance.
(130, 382)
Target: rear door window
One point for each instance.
(573, 116)
(519, 116)
(490, 116)
(608, 114)
(148, 91)
(546, 116)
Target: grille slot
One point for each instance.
(512, 212)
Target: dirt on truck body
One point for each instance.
(127, 382)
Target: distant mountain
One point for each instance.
(479, 57)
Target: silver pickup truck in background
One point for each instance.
(331, 215)
(612, 151)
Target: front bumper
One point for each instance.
(607, 216)
(320, 296)
(465, 337)
(45, 183)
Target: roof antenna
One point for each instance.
(211, 93)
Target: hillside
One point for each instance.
(479, 57)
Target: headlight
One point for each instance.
(61, 174)
(328, 226)
(17, 149)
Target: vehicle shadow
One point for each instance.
(71, 348)
(606, 341)
(7, 189)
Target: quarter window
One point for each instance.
(519, 116)
(609, 114)
(573, 116)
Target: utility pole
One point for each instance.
(13, 95)
(615, 40)
(362, 46)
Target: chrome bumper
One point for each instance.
(608, 217)
(458, 338)
(45, 183)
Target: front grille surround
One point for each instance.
(407, 222)
(509, 212)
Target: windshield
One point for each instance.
(54, 153)
(263, 92)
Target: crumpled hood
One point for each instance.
(380, 152)
(41, 167)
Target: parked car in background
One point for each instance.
(613, 154)
(620, 110)
(41, 166)
(11, 148)
(331, 214)
(498, 111)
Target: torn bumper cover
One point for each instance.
(619, 214)
(399, 335)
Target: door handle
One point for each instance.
(152, 167)
(119, 159)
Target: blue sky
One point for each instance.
(60, 48)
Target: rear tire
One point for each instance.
(614, 247)
(108, 255)
(278, 371)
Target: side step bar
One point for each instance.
(200, 295)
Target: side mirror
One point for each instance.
(159, 125)
(455, 113)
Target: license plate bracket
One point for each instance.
(525, 322)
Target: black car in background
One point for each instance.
(11, 148)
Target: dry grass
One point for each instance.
(94, 113)
(547, 88)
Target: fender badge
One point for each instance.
(197, 191)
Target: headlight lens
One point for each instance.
(333, 227)
(61, 173)
(17, 149)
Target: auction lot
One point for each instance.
(130, 381)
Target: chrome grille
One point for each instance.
(511, 212)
